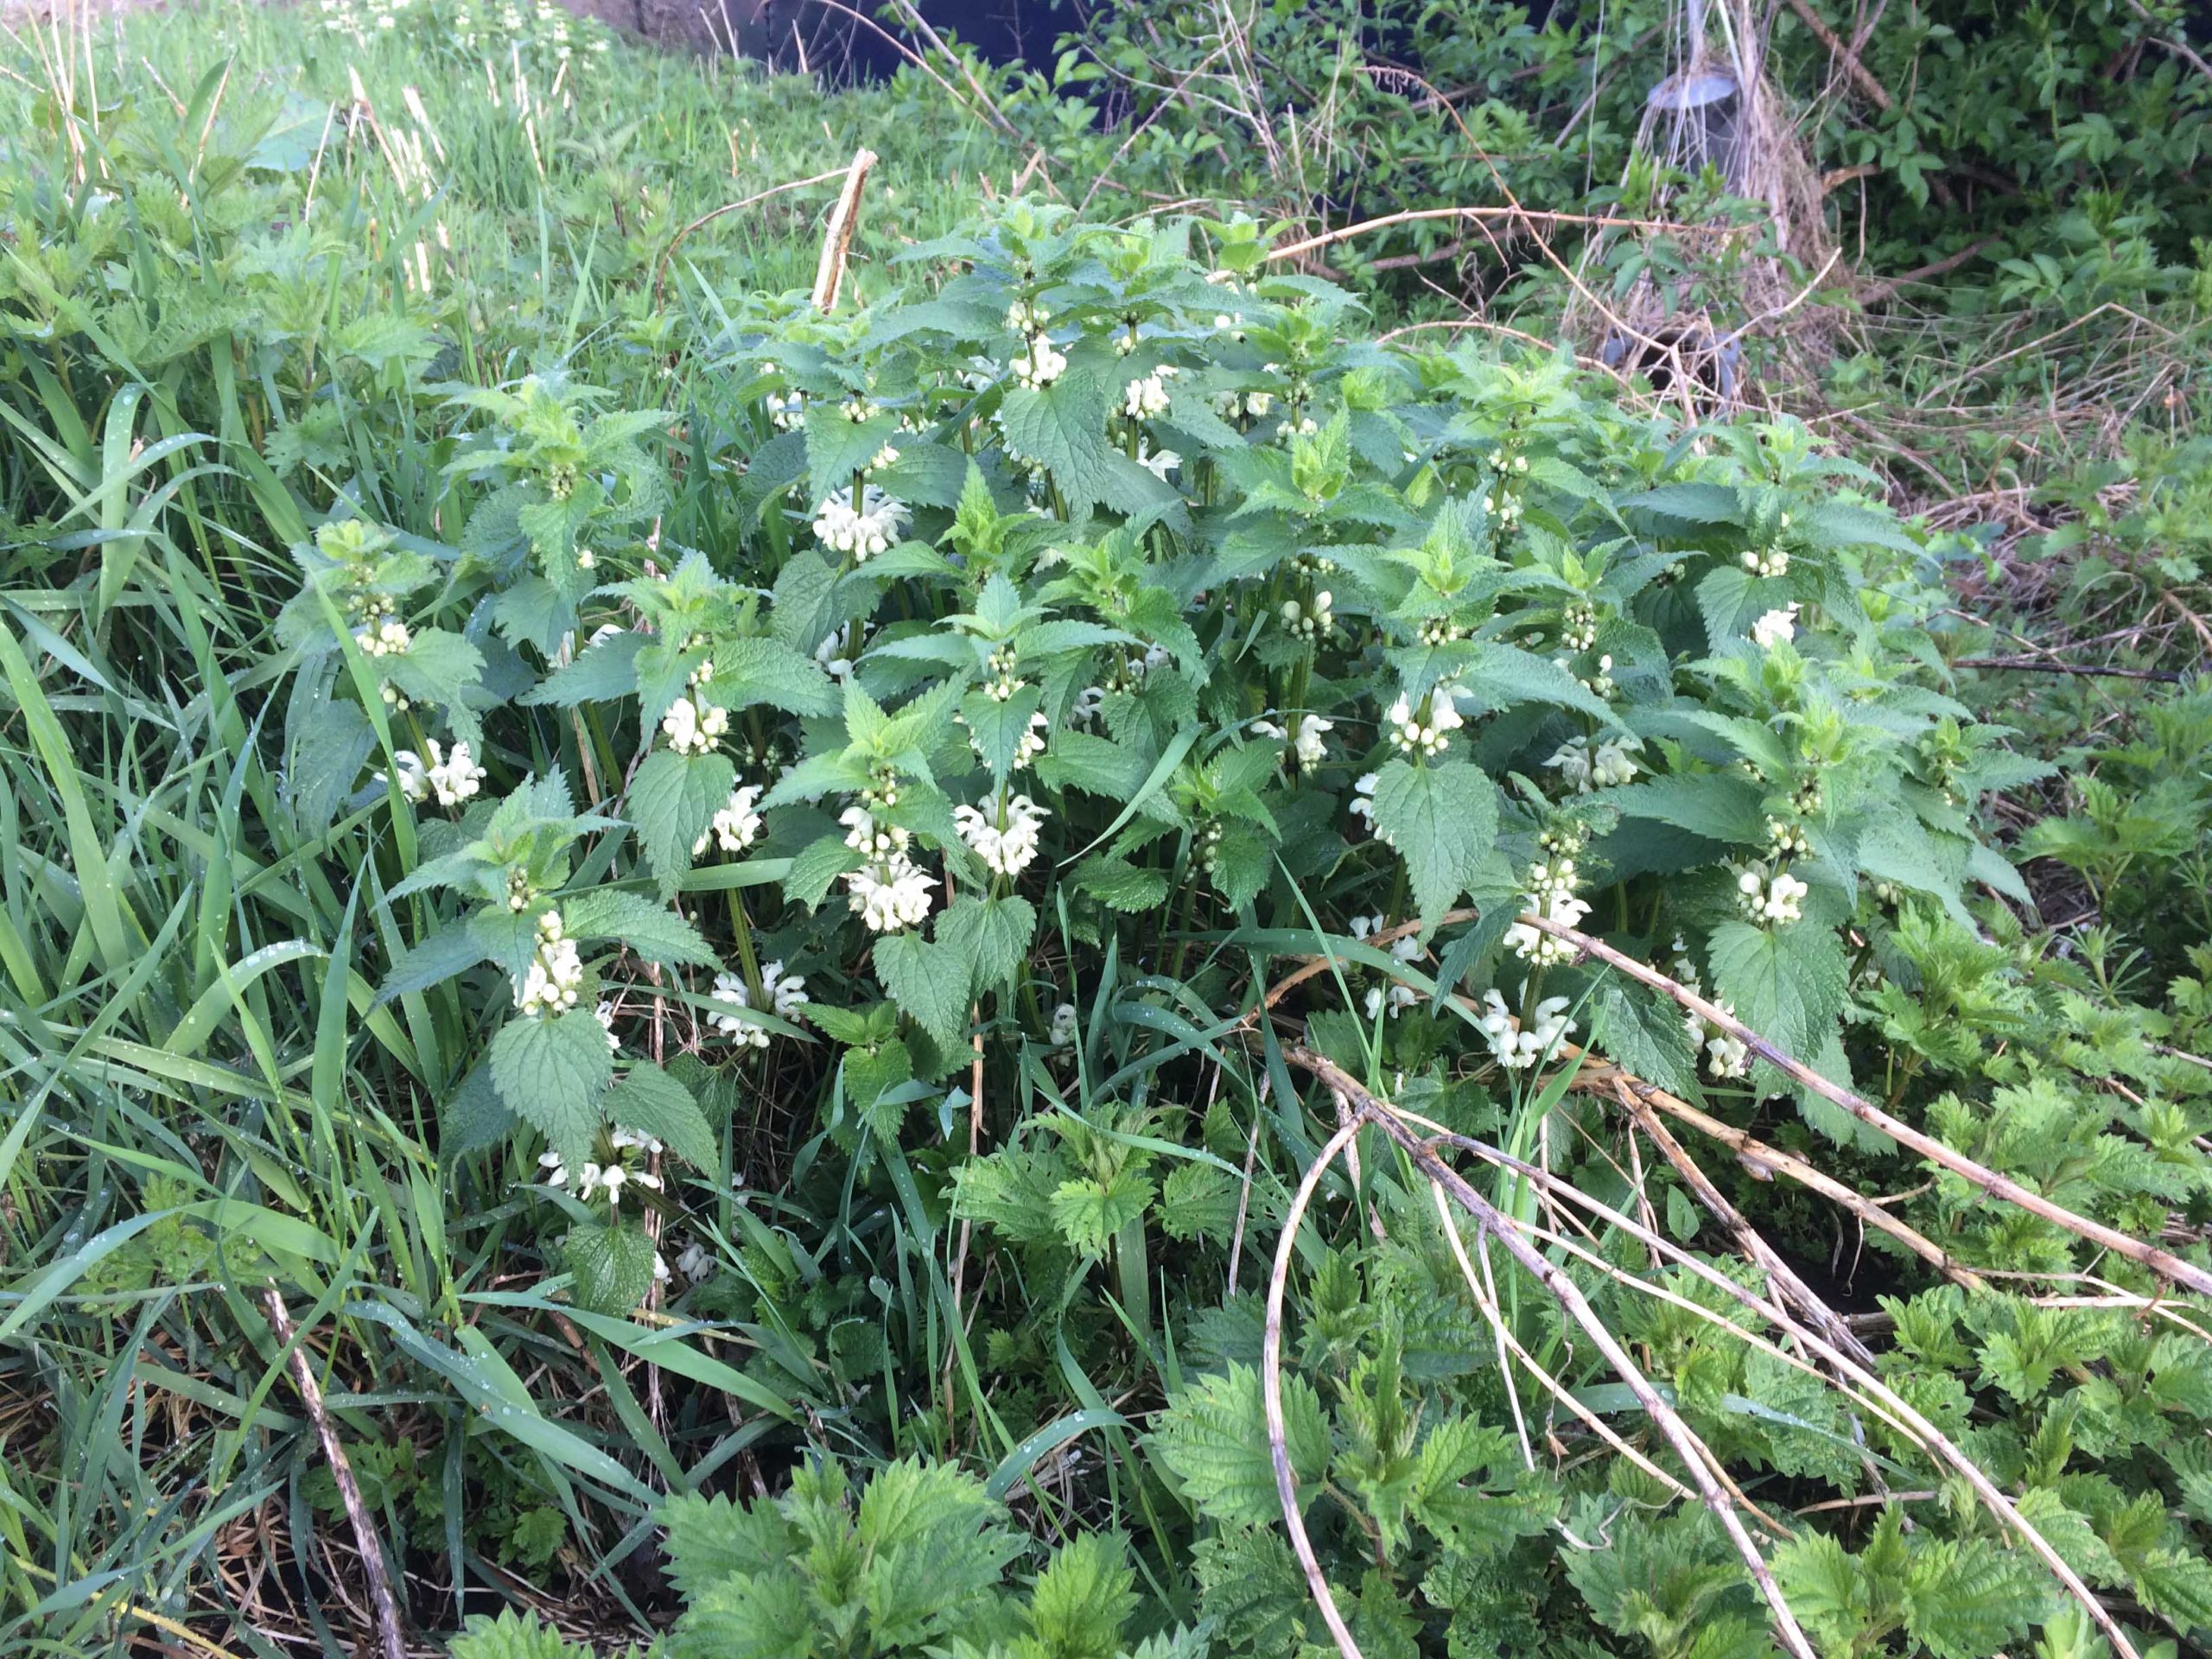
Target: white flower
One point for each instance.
(1158, 462)
(388, 639)
(1363, 797)
(1309, 747)
(1084, 709)
(1767, 561)
(694, 727)
(1611, 766)
(550, 984)
(735, 826)
(889, 895)
(1583, 771)
(695, 1263)
(1533, 945)
(453, 778)
(1310, 621)
(864, 835)
(786, 993)
(1006, 842)
(1062, 1032)
(1257, 403)
(836, 653)
(1142, 399)
(1039, 365)
(604, 1014)
(729, 989)
(1773, 627)
(556, 1174)
(787, 413)
(1393, 999)
(1770, 899)
(1269, 728)
(1025, 318)
(1426, 736)
(1725, 1056)
(879, 524)
(414, 781)
(1516, 1049)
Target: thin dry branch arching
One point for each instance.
(1365, 1109)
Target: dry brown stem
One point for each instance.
(837, 235)
(349, 1490)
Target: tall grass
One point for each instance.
(242, 252)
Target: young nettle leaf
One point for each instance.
(552, 1071)
(431, 961)
(930, 983)
(612, 1266)
(651, 1103)
(604, 671)
(645, 929)
(1213, 1439)
(1442, 819)
(990, 936)
(998, 726)
(673, 801)
(1089, 1212)
(873, 1075)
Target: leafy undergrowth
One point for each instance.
(759, 920)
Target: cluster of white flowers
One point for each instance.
(1158, 462)
(694, 727)
(874, 528)
(1764, 897)
(696, 1263)
(1516, 1049)
(882, 458)
(1062, 1032)
(550, 983)
(453, 778)
(1142, 399)
(730, 988)
(609, 1177)
(1393, 998)
(1583, 770)
(1006, 837)
(1506, 505)
(1309, 745)
(1767, 561)
(1599, 685)
(890, 893)
(1725, 1056)
(1084, 709)
(1025, 318)
(1001, 682)
(1039, 363)
(735, 826)
(604, 1012)
(1773, 627)
(1502, 462)
(1426, 735)
(866, 836)
(1304, 427)
(1363, 797)
(783, 995)
(786, 411)
(1554, 904)
(1440, 630)
(1310, 621)
(1578, 626)
(1788, 840)
(389, 637)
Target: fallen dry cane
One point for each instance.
(1360, 1109)
(349, 1490)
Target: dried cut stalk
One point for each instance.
(838, 236)
(349, 1490)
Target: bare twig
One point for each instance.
(660, 271)
(349, 1491)
(2027, 665)
(2165, 1263)
(1846, 59)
